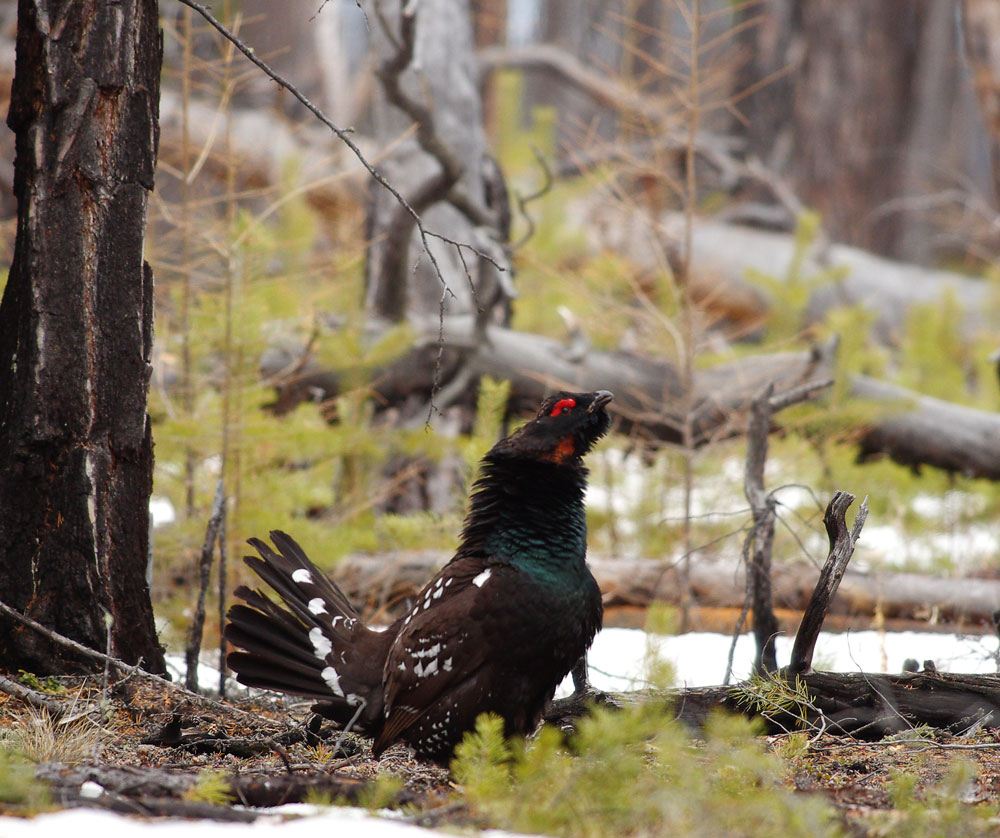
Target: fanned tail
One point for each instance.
(315, 645)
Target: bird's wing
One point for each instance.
(453, 629)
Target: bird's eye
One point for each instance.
(562, 406)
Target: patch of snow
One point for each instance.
(620, 659)
(290, 821)
(162, 510)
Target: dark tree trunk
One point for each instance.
(76, 324)
(863, 107)
(982, 41)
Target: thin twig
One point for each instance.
(524, 200)
(343, 135)
(223, 586)
(193, 650)
(118, 664)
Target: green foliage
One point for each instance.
(490, 409)
(482, 760)
(631, 773)
(211, 787)
(773, 697)
(49, 684)
(790, 293)
(20, 792)
(380, 794)
(943, 810)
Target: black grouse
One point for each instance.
(496, 630)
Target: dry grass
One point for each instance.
(70, 740)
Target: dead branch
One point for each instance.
(343, 136)
(193, 649)
(32, 697)
(842, 542)
(120, 665)
(760, 539)
(153, 791)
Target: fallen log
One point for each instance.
(862, 705)
(650, 399)
(916, 431)
(896, 600)
(149, 791)
(649, 394)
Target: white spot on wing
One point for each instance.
(447, 664)
(302, 576)
(321, 644)
(421, 670)
(317, 606)
(427, 653)
(480, 580)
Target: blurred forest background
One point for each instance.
(684, 196)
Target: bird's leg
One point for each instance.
(581, 684)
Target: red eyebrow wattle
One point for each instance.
(559, 405)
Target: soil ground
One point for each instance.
(158, 745)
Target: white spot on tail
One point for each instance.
(332, 678)
(480, 580)
(317, 606)
(302, 576)
(321, 645)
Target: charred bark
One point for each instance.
(76, 326)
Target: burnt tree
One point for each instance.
(76, 328)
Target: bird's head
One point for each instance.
(566, 428)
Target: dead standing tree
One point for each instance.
(429, 113)
(76, 329)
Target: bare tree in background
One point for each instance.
(76, 329)
(429, 112)
(864, 109)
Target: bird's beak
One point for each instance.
(601, 398)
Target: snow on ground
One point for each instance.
(619, 661)
(623, 486)
(294, 821)
(619, 658)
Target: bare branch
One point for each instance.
(842, 543)
(342, 135)
(191, 653)
(761, 536)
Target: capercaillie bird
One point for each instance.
(496, 630)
